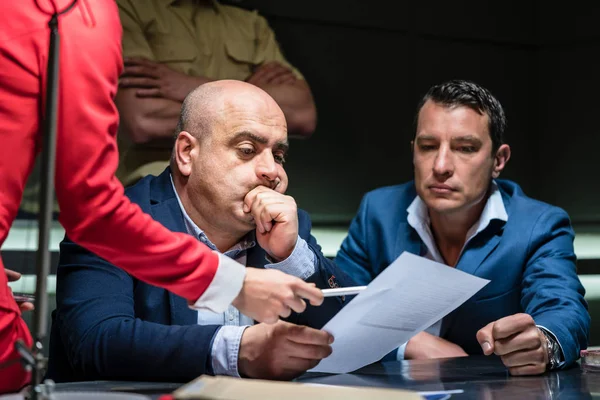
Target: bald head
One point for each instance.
(215, 102)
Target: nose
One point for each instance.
(266, 169)
(443, 165)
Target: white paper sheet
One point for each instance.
(411, 294)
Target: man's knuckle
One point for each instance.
(497, 329)
(525, 319)
(322, 352)
(288, 295)
(541, 357)
(301, 306)
(499, 349)
(290, 200)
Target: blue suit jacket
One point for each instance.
(529, 260)
(109, 325)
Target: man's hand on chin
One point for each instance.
(276, 217)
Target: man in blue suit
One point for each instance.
(532, 313)
(225, 186)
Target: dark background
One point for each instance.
(369, 62)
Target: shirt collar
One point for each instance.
(494, 210)
(246, 243)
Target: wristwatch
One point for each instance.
(555, 356)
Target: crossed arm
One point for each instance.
(150, 97)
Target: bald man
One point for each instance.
(225, 186)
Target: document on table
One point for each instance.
(410, 295)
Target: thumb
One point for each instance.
(485, 338)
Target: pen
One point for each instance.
(345, 291)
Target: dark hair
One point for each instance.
(456, 93)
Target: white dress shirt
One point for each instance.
(226, 343)
(418, 218)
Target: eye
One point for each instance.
(246, 151)
(426, 147)
(467, 149)
(279, 158)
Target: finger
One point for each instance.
(486, 339)
(526, 340)
(266, 205)
(273, 73)
(285, 312)
(261, 200)
(260, 213)
(261, 74)
(295, 303)
(140, 70)
(308, 291)
(269, 199)
(308, 351)
(266, 219)
(272, 211)
(261, 70)
(511, 325)
(284, 79)
(306, 335)
(12, 275)
(522, 358)
(129, 61)
(138, 82)
(250, 197)
(148, 93)
(527, 370)
(254, 78)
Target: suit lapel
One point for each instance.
(480, 247)
(165, 209)
(408, 240)
(484, 244)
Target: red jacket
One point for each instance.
(94, 211)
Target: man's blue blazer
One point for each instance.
(109, 325)
(529, 259)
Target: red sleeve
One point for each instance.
(94, 210)
(95, 213)
(12, 328)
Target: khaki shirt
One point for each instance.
(198, 38)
